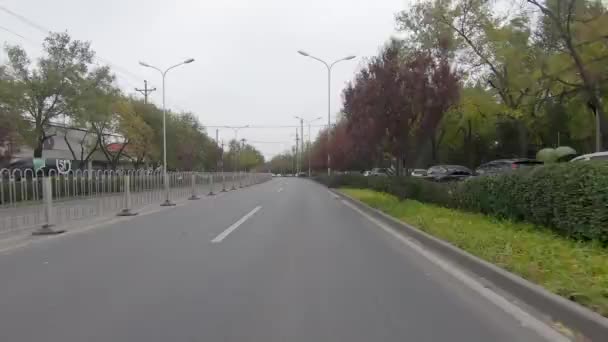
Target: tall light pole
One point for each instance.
(242, 147)
(236, 139)
(167, 201)
(308, 122)
(329, 68)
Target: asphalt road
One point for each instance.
(301, 266)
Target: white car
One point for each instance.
(418, 173)
(592, 156)
(367, 173)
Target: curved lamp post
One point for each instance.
(167, 201)
(329, 67)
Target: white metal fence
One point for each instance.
(31, 199)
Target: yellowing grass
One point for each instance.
(575, 270)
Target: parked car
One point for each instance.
(592, 156)
(378, 172)
(505, 165)
(301, 174)
(367, 173)
(446, 173)
(418, 173)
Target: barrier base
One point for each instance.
(46, 230)
(167, 203)
(126, 212)
(193, 198)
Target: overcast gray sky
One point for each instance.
(246, 71)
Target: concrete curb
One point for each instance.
(559, 309)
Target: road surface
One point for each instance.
(279, 261)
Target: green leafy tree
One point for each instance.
(48, 89)
(574, 33)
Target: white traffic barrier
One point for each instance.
(194, 194)
(47, 194)
(126, 210)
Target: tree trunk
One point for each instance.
(522, 136)
(38, 149)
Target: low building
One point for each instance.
(65, 148)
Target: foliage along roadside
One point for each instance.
(530, 77)
(575, 270)
(65, 85)
(570, 198)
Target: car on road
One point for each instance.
(447, 173)
(418, 173)
(592, 156)
(378, 172)
(367, 173)
(506, 165)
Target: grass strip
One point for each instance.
(572, 269)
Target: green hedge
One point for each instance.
(571, 198)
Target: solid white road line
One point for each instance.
(235, 225)
(524, 318)
(333, 194)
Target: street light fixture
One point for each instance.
(329, 67)
(167, 201)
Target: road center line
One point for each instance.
(235, 225)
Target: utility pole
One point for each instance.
(217, 141)
(297, 154)
(302, 143)
(240, 149)
(145, 91)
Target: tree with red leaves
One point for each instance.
(396, 103)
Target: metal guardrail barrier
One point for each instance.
(30, 199)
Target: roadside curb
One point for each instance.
(559, 309)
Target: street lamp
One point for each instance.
(329, 68)
(242, 147)
(167, 202)
(236, 139)
(308, 122)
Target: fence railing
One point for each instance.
(31, 199)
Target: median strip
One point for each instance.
(235, 225)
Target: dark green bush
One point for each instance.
(571, 198)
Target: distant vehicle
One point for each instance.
(592, 156)
(505, 165)
(378, 172)
(418, 173)
(279, 175)
(367, 173)
(301, 174)
(447, 173)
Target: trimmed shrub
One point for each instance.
(571, 198)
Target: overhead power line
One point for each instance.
(12, 32)
(267, 142)
(26, 20)
(46, 31)
(265, 126)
